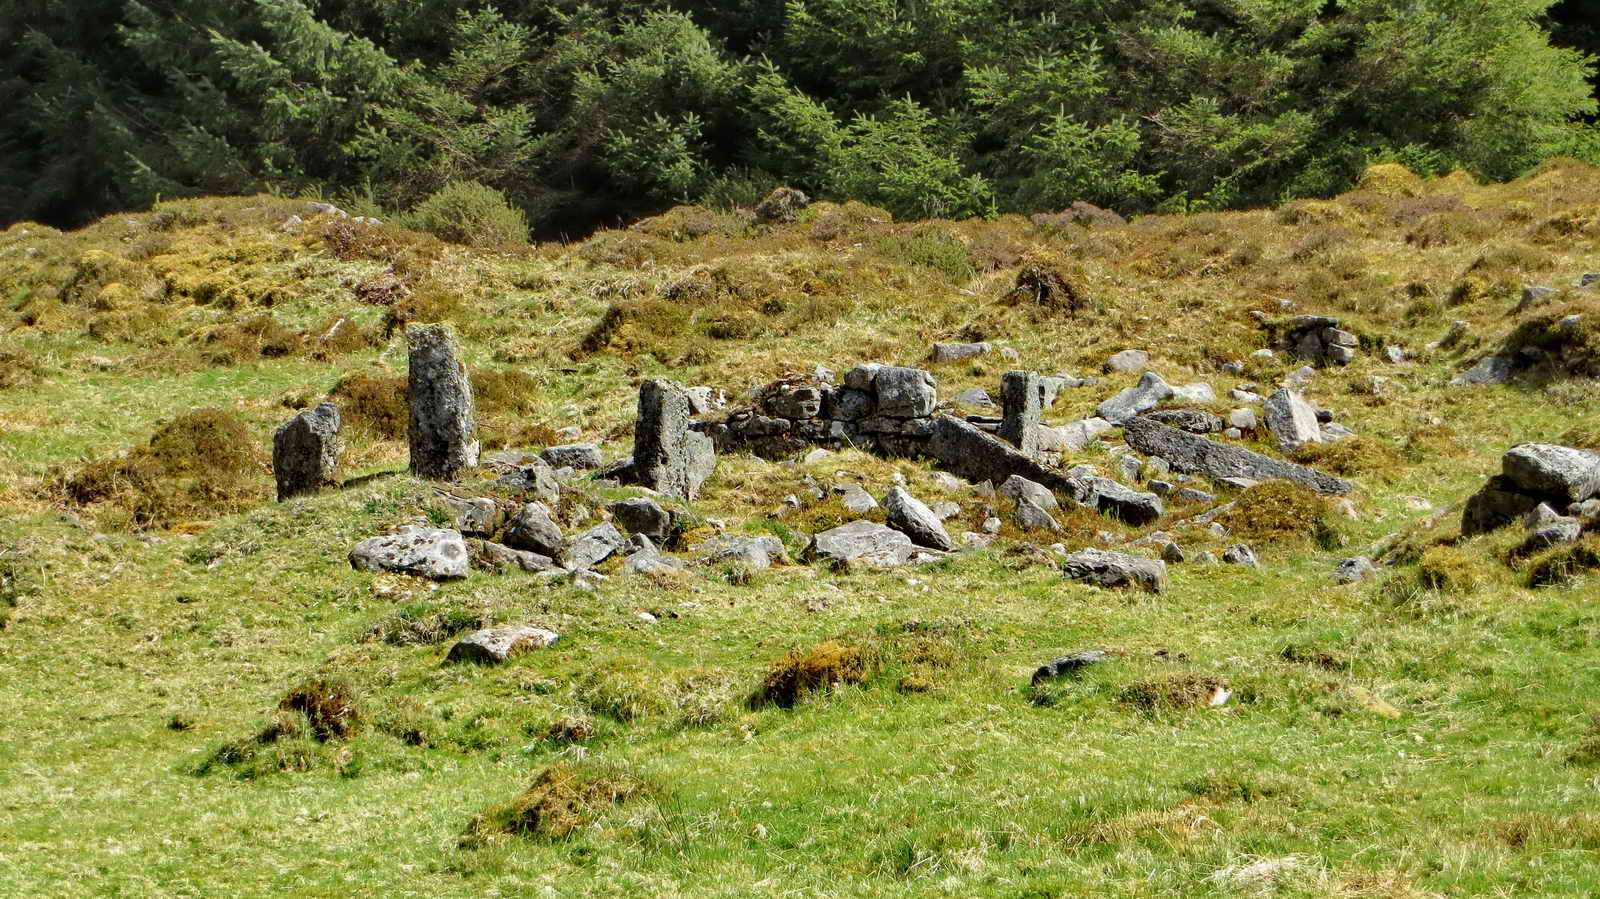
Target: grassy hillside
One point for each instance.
(1431, 731)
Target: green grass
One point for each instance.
(1394, 740)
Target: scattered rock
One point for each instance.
(1112, 569)
(954, 352)
(1534, 295)
(1243, 419)
(533, 528)
(1556, 533)
(1193, 454)
(910, 516)
(946, 510)
(651, 561)
(536, 480)
(946, 481)
(1488, 370)
(861, 540)
(756, 552)
(1348, 571)
(426, 552)
(496, 644)
(975, 396)
(1142, 397)
(1076, 435)
(1195, 421)
(443, 430)
(1127, 360)
(499, 557)
(781, 206)
(479, 517)
(1031, 517)
(1240, 554)
(1172, 553)
(592, 547)
(305, 452)
(1292, 420)
(582, 456)
(1566, 474)
(642, 515)
(1395, 354)
(1198, 392)
(705, 400)
(1019, 489)
(1068, 664)
(856, 500)
(1120, 502)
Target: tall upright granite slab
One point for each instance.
(443, 428)
(305, 452)
(1021, 398)
(667, 456)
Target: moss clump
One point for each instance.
(1390, 179)
(563, 798)
(1049, 282)
(1561, 564)
(329, 706)
(1449, 569)
(428, 302)
(1281, 512)
(201, 465)
(822, 667)
(1351, 456)
(376, 405)
(470, 213)
(1174, 692)
(421, 623)
(18, 368)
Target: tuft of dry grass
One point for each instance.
(824, 666)
(1281, 512)
(1174, 692)
(563, 798)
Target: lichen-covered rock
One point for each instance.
(1117, 500)
(1193, 454)
(497, 644)
(592, 547)
(859, 540)
(913, 518)
(755, 552)
(475, 517)
(667, 456)
(642, 515)
(1112, 569)
(855, 499)
(1018, 489)
(1291, 420)
(533, 528)
(954, 352)
(1127, 360)
(1141, 397)
(499, 557)
(904, 392)
(1020, 398)
(1488, 370)
(305, 452)
(434, 553)
(582, 456)
(1240, 554)
(1358, 568)
(443, 429)
(1195, 421)
(535, 479)
(1544, 469)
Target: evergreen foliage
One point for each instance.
(585, 115)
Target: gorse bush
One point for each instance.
(470, 213)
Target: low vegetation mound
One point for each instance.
(200, 465)
(1281, 512)
(563, 798)
(822, 667)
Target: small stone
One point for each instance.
(1191, 495)
(582, 456)
(856, 500)
(1127, 360)
(1068, 665)
(1488, 370)
(862, 540)
(1112, 569)
(1199, 393)
(913, 518)
(816, 456)
(1394, 354)
(975, 396)
(1262, 355)
(953, 352)
(991, 525)
(434, 553)
(1172, 553)
(946, 511)
(642, 515)
(1240, 554)
(592, 547)
(499, 557)
(497, 644)
(1030, 517)
(479, 517)
(1291, 420)
(1348, 571)
(1076, 435)
(667, 455)
(946, 481)
(1244, 396)
(533, 528)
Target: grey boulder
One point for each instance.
(642, 515)
(582, 456)
(913, 518)
(434, 553)
(497, 644)
(1141, 397)
(1113, 569)
(533, 528)
(593, 546)
(1567, 474)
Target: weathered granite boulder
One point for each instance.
(855, 499)
(496, 644)
(1127, 360)
(1112, 569)
(592, 547)
(1019, 489)
(963, 449)
(1195, 421)
(954, 352)
(1120, 502)
(582, 456)
(1558, 472)
(443, 429)
(1488, 370)
(756, 552)
(1076, 435)
(667, 456)
(1193, 454)
(532, 528)
(1358, 568)
(642, 515)
(860, 540)
(1241, 554)
(1141, 397)
(305, 452)
(1291, 420)
(535, 479)
(499, 557)
(474, 517)
(913, 518)
(904, 392)
(426, 552)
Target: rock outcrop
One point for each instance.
(1193, 454)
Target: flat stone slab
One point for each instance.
(859, 540)
(434, 553)
(1193, 454)
(1112, 569)
(497, 644)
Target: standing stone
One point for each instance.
(1020, 397)
(443, 430)
(305, 452)
(667, 456)
(1292, 420)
